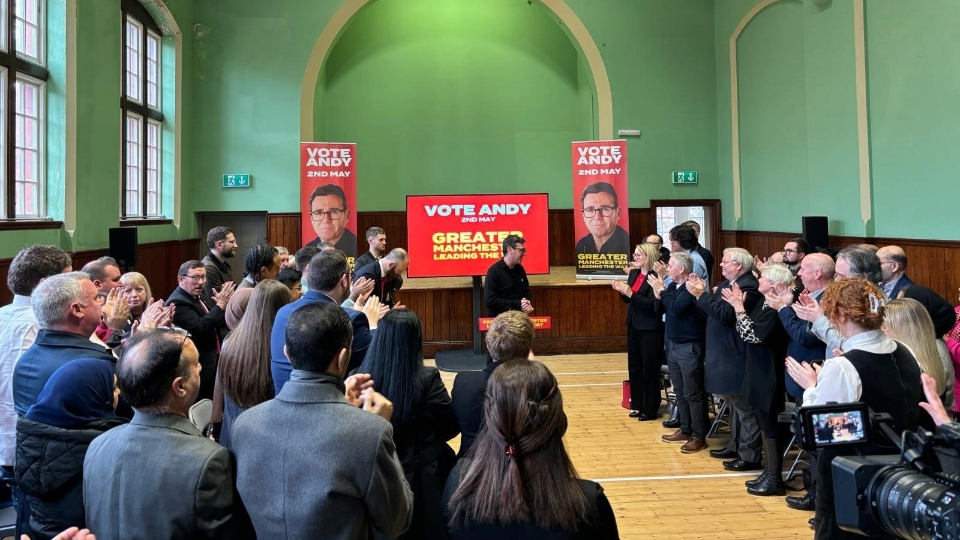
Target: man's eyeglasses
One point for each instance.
(605, 211)
(195, 279)
(318, 215)
(520, 249)
(788, 251)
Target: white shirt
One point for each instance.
(18, 330)
(838, 380)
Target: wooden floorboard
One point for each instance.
(656, 492)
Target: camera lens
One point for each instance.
(907, 503)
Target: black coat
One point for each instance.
(763, 384)
(49, 471)
(387, 293)
(468, 394)
(205, 332)
(725, 357)
(643, 309)
(427, 459)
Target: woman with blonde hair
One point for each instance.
(644, 334)
(907, 321)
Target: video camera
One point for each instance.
(889, 494)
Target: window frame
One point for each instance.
(133, 10)
(15, 67)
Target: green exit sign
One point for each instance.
(684, 177)
(236, 180)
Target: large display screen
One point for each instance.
(462, 235)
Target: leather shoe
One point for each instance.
(741, 465)
(695, 444)
(723, 453)
(634, 414)
(802, 503)
(672, 424)
(676, 436)
(645, 417)
(812, 522)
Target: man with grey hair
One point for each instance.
(18, 330)
(67, 313)
(726, 356)
(685, 331)
(385, 274)
(852, 262)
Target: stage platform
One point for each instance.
(588, 315)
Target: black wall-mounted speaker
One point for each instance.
(123, 246)
(815, 232)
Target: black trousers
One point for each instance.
(644, 359)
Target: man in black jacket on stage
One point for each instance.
(506, 287)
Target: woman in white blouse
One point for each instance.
(870, 368)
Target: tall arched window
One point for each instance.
(142, 116)
(23, 75)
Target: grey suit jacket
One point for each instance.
(310, 465)
(156, 478)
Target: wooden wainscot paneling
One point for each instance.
(157, 261)
(931, 263)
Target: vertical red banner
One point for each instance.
(600, 207)
(328, 195)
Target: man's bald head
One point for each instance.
(893, 262)
(150, 363)
(816, 271)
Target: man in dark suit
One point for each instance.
(508, 338)
(385, 274)
(704, 253)
(311, 463)
(202, 316)
(725, 357)
(893, 267)
(328, 280)
(182, 482)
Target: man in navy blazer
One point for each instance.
(328, 280)
(385, 274)
(893, 267)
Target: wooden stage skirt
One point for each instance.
(588, 315)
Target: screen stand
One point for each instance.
(467, 359)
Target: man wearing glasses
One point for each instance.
(601, 211)
(506, 287)
(329, 215)
(202, 316)
(793, 252)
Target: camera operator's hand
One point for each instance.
(804, 374)
(933, 405)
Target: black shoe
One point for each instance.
(753, 482)
(723, 453)
(812, 522)
(645, 417)
(672, 424)
(802, 503)
(769, 484)
(741, 465)
(634, 414)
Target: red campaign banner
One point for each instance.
(600, 215)
(539, 323)
(462, 235)
(328, 195)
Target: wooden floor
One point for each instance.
(656, 492)
(559, 275)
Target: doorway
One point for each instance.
(668, 213)
(249, 228)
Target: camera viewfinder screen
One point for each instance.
(838, 427)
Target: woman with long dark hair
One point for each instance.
(423, 420)
(75, 406)
(644, 334)
(244, 369)
(517, 481)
